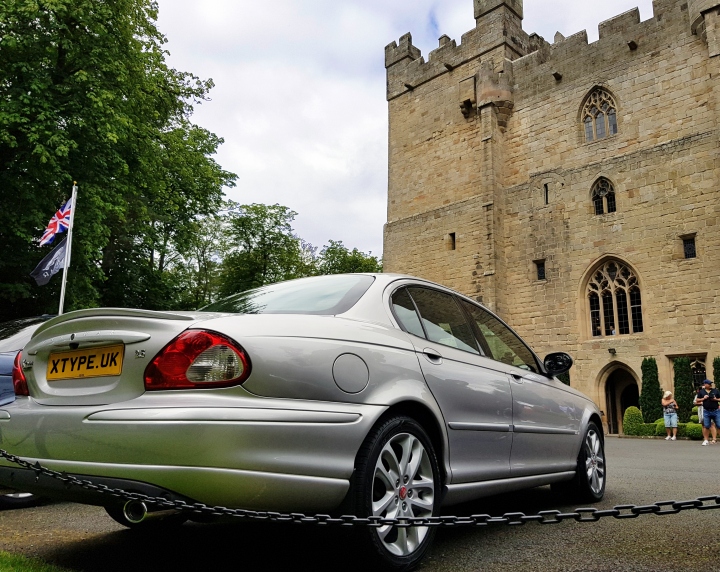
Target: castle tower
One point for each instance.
(705, 22)
(483, 7)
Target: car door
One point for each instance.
(546, 419)
(475, 400)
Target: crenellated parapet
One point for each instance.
(498, 35)
(483, 7)
(404, 51)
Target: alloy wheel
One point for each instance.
(403, 486)
(594, 461)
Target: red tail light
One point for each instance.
(195, 359)
(18, 377)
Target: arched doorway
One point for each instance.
(621, 392)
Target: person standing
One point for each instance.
(670, 408)
(709, 398)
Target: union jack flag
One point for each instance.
(60, 222)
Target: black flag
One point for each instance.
(50, 265)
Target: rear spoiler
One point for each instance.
(118, 312)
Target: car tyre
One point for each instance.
(18, 500)
(397, 474)
(588, 485)
(116, 513)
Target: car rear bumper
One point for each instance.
(264, 454)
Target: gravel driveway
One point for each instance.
(640, 472)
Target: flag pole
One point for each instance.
(68, 247)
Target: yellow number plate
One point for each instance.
(77, 364)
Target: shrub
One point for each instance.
(650, 396)
(564, 377)
(694, 410)
(647, 430)
(660, 428)
(694, 419)
(682, 428)
(693, 430)
(684, 391)
(716, 371)
(633, 422)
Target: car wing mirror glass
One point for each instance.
(558, 363)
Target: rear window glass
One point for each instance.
(16, 333)
(406, 314)
(319, 295)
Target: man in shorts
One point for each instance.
(709, 398)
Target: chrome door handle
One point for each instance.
(517, 378)
(432, 356)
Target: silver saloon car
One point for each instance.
(365, 394)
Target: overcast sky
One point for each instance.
(299, 93)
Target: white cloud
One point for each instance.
(300, 93)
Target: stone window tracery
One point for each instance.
(599, 115)
(614, 301)
(603, 196)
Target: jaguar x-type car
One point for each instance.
(356, 394)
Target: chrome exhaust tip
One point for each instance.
(135, 511)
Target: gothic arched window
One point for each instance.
(599, 115)
(614, 301)
(603, 196)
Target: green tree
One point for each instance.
(650, 396)
(264, 248)
(716, 371)
(197, 270)
(86, 94)
(336, 258)
(684, 391)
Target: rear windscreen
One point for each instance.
(16, 333)
(319, 295)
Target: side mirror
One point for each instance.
(558, 363)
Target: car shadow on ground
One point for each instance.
(270, 546)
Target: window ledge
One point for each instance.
(608, 139)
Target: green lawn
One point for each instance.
(14, 563)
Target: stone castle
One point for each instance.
(571, 187)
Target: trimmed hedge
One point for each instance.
(633, 425)
(694, 419)
(693, 430)
(633, 422)
(660, 428)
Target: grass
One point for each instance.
(14, 563)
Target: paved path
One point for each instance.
(641, 471)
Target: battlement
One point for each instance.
(396, 53)
(619, 24)
(482, 7)
(498, 35)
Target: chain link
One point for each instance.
(511, 518)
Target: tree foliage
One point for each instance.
(263, 248)
(86, 95)
(651, 395)
(336, 258)
(684, 391)
(716, 371)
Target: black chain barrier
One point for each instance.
(511, 518)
